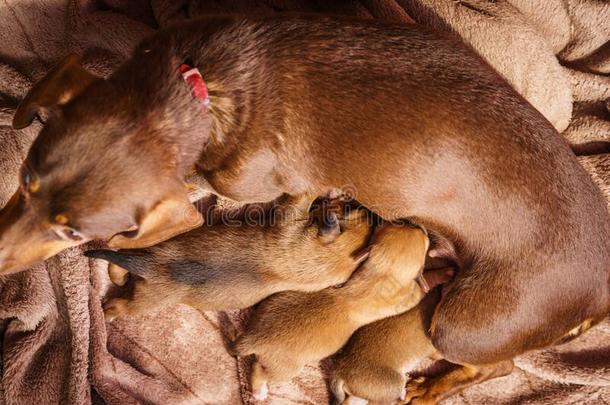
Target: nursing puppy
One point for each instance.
(241, 256)
(373, 364)
(412, 120)
(292, 329)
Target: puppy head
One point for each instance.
(401, 249)
(99, 169)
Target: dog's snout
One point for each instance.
(23, 236)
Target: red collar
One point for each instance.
(192, 76)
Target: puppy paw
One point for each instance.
(114, 308)
(352, 400)
(118, 275)
(261, 393)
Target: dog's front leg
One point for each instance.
(422, 391)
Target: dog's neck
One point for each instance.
(228, 112)
(233, 79)
(153, 93)
(217, 128)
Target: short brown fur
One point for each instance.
(237, 259)
(373, 364)
(292, 329)
(412, 120)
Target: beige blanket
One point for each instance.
(56, 347)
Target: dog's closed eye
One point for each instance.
(68, 234)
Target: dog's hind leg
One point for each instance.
(135, 298)
(259, 382)
(422, 391)
(380, 385)
(263, 374)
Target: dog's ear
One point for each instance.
(169, 217)
(58, 87)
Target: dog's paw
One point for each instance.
(261, 393)
(353, 400)
(423, 401)
(118, 275)
(114, 308)
(416, 392)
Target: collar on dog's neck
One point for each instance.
(192, 76)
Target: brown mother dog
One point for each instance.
(413, 120)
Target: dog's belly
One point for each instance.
(534, 267)
(508, 237)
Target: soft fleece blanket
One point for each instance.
(55, 345)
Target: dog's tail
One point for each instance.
(591, 148)
(136, 261)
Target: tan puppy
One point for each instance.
(241, 256)
(292, 329)
(372, 366)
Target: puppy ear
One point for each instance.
(329, 228)
(169, 217)
(58, 87)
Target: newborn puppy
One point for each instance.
(372, 366)
(241, 256)
(292, 329)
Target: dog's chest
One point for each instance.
(257, 177)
